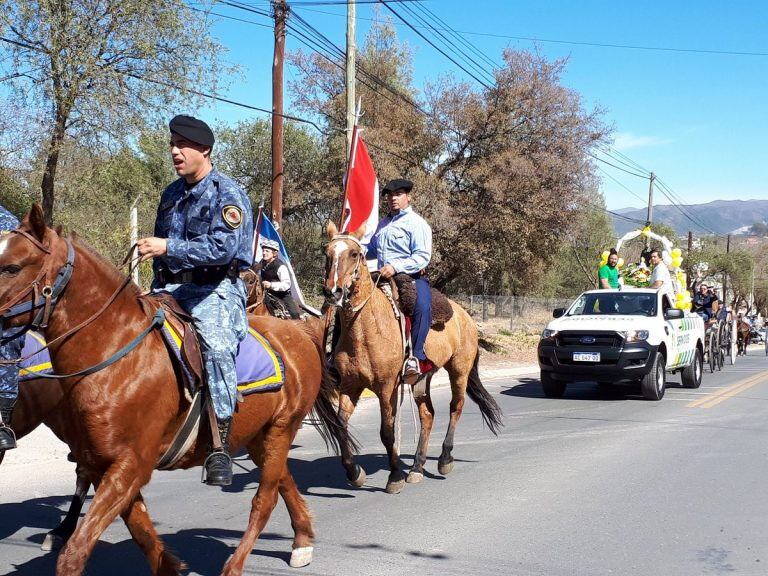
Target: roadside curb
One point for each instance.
(440, 379)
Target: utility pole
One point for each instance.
(725, 274)
(280, 12)
(650, 209)
(688, 258)
(350, 73)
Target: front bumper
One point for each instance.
(618, 362)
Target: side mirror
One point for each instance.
(557, 312)
(674, 314)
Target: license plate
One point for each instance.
(586, 356)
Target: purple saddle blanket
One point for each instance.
(259, 367)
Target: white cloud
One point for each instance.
(628, 141)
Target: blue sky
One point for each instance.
(698, 120)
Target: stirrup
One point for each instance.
(9, 431)
(221, 479)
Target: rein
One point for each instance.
(51, 297)
(356, 275)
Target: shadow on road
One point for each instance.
(531, 388)
(202, 550)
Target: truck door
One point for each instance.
(673, 329)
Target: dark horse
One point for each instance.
(116, 449)
(369, 354)
(742, 336)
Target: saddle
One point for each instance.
(404, 291)
(183, 331)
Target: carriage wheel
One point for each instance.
(712, 351)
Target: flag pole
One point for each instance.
(350, 162)
(256, 231)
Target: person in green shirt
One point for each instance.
(609, 274)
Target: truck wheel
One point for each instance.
(653, 384)
(552, 388)
(692, 373)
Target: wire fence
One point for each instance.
(486, 307)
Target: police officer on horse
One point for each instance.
(11, 344)
(202, 240)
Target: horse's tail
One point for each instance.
(325, 417)
(489, 409)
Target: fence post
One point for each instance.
(471, 303)
(485, 309)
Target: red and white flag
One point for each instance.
(362, 191)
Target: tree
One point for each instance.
(575, 267)
(501, 174)
(97, 70)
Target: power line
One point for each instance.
(635, 194)
(428, 41)
(450, 44)
(618, 167)
(577, 43)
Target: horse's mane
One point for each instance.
(112, 272)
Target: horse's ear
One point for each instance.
(360, 232)
(59, 229)
(35, 222)
(331, 230)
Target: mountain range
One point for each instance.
(720, 216)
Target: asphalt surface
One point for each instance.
(599, 482)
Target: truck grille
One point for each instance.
(589, 339)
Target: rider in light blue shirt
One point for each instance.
(402, 243)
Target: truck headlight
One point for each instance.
(548, 334)
(636, 335)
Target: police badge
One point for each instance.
(233, 216)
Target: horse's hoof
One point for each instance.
(445, 467)
(51, 542)
(414, 477)
(394, 487)
(301, 556)
(360, 479)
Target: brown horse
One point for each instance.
(116, 449)
(39, 403)
(743, 330)
(369, 355)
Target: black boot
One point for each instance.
(7, 437)
(218, 465)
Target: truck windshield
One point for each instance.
(614, 303)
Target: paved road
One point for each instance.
(599, 482)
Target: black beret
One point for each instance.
(398, 184)
(192, 129)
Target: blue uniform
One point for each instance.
(9, 349)
(209, 224)
(404, 241)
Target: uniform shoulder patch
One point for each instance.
(233, 216)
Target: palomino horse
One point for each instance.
(119, 420)
(369, 355)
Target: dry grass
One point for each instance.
(513, 341)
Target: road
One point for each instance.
(599, 482)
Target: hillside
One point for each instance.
(721, 216)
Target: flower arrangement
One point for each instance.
(636, 275)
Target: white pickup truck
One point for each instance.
(632, 335)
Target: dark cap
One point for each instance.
(192, 129)
(398, 184)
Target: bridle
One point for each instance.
(44, 294)
(356, 274)
(47, 298)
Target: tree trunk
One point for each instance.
(51, 164)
